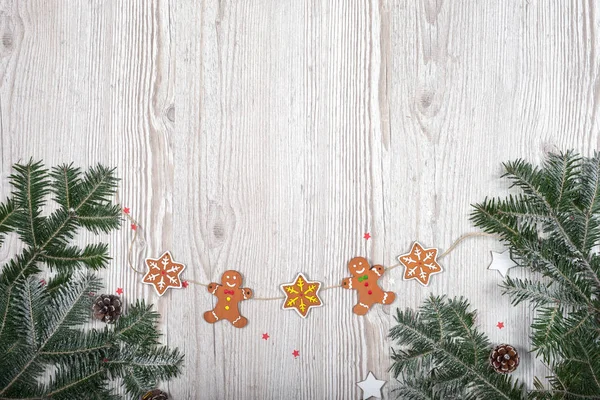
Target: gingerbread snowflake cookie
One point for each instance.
(364, 280)
(301, 295)
(229, 294)
(420, 264)
(163, 273)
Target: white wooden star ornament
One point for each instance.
(371, 387)
(502, 262)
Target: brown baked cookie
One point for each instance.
(364, 280)
(229, 294)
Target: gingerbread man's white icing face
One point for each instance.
(358, 266)
(231, 279)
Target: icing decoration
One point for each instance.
(163, 273)
(502, 262)
(301, 295)
(229, 294)
(364, 280)
(420, 264)
(371, 387)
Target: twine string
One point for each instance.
(132, 220)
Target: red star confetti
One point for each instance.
(367, 236)
(500, 325)
(420, 264)
(265, 336)
(185, 284)
(119, 291)
(296, 353)
(43, 282)
(133, 227)
(163, 273)
(126, 210)
(301, 295)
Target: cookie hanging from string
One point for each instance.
(420, 264)
(229, 294)
(163, 273)
(364, 280)
(301, 295)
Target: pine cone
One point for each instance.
(107, 307)
(504, 359)
(155, 394)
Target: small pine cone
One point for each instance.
(155, 394)
(107, 308)
(504, 359)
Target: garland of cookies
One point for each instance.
(301, 294)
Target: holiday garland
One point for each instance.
(552, 228)
(41, 323)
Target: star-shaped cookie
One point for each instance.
(420, 264)
(301, 295)
(163, 273)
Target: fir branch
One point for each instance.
(57, 229)
(40, 326)
(66, 309)
(531, 181)
(99, 218)
(8, 211)
(85, 359)
(66, 180)
(590, 201)
(552, 228)
(77, 382)
(139, 322)
(94, 256)
(453, 353)
(30, 183)
(547, 327)
(538, 293)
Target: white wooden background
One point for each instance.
(268, 136)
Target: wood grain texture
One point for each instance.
(268, 136)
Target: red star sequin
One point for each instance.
(133, 227)
(126, 210)
(265, 336)
(119, 291)
(500, 325)
(185, 284)
(43, 282)
(367, 236)
(296, 353)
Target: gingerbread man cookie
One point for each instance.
(364, 280)
(229, 294)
